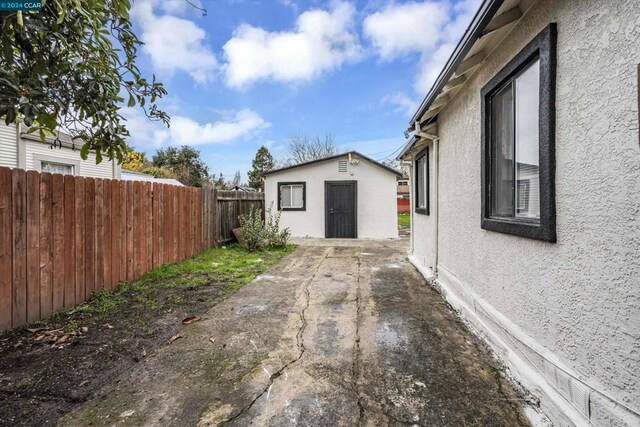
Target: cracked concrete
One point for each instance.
(342, 332)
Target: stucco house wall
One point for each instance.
(423, 226)
(26, 153)
(569, 309)
(377, 206)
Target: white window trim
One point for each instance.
(39, 158)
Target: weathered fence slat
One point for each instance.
(6, 250)
(68, 237)
(57, 234)
(69, 241)
(45, 246)
(19, 236)
(33, 243)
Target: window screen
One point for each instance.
(291, 196)
(60, 168)
(422, 183)
(515, 146)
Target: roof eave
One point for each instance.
(482, 17)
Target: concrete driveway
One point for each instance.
(342, 332)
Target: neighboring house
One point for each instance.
(25, 151)
(526, 198)
(403, 195)
(128, 175)
(403, 188)
(244, 189)
(343, 196)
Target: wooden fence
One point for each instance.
(64, 237)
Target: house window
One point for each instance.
(518, 143)
(291, 196)
(422, 182)
(54, 167)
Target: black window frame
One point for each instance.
(304, 195)
(424, 153)
(542, 48)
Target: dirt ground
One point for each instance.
(42, 380)
(338, 333)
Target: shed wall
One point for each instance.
(377, 206)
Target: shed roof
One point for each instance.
(312, 162)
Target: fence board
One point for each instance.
(71, 236)
(69, 241)
(90, 237)
(33, 242)
(138, 224)
(115, 234)
(130, 238)
(124, 210)
(80, 240)
(57, 234)
(148, 214)
(156, 224)
(99, 242)
(107, 236)
(45, 246)
(6, 250)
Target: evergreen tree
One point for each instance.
(263, 162)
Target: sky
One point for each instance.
(253, 73)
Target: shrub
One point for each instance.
(274, 237)
(253, 230)
(258, 234)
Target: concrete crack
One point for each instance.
(299, 344)
(356, 350)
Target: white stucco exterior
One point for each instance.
(376, 198)
(20, 151)
(565, 316)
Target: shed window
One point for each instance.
(518, 143)
(53, 167)
(422, 182)
(291, 196)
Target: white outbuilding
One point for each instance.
(343, 196)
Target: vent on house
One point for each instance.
(574, 391)
(342, 166)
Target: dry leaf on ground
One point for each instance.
(175, 337)
(189, 320)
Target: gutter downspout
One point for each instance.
(436, 175)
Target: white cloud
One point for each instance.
(185, 131)
(173, 43)
(322, 40)
(431, 29)
(400, 29)
(402, 102)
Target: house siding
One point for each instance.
(377, 199)
(577, 301)
(33, 150)
(87, 167)
(8, 146)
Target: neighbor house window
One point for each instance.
(422, 182)
(518, 143)
(291, 196)
(53, 167)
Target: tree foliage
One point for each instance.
(134, 161)
(302, 148)
(185, 164)
(262, 162)
(65, 68)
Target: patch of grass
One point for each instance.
(231, 266)
(404, 220)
